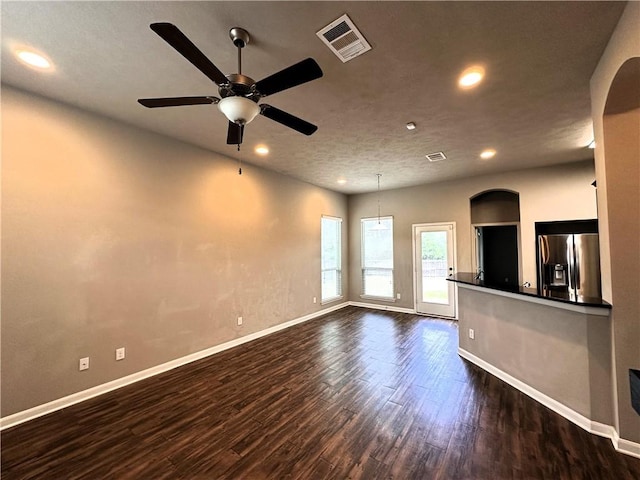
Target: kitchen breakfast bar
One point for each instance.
(556, 350)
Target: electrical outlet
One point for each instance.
(120, 353)
(239, 320)
(315, 300)
(472, 334)
(84, 363)
(398, 296)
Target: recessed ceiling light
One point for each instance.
(471, 77)
(411, 126)
(487, 154)
(33, 59)
(261, 150)
(342, 181)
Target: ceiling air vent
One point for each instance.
(344, 39)
(436, 157)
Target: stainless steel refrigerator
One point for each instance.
(569, 266)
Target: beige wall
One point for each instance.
(622, 151)
(617, 158)
(113, 236)
(552, 193)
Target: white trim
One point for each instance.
(363, 221)
(433, 315)
(380, 299)
(588, 310)
(493, 224)
(389, 308)
(623, 446)
(64, 402)
(474, 249)
(540, 397)
(339, 266)
(417, 262)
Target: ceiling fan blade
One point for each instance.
(176, 101)
(297, 74)
(234, 134)
(178, 40)
(287, 119)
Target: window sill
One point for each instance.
(330, 300)
(381, 299)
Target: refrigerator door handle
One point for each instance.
(544, 249)
(543, 256)
(574, 270)
(576, 252)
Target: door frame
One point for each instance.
(414, 228)
(474, 246)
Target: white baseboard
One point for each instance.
(389, 308)
(625, 446)
(596, 428)
(621, 445)
(64, 402)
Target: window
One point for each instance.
(377, 257)
(331, 247)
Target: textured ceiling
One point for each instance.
(533, 106)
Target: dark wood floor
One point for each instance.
(355, 394)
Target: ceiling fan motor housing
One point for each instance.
(239, 85)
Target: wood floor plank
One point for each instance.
(358, 394)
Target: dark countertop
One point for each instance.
(470, 279)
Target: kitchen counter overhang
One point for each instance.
(592, 306)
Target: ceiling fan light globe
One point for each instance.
(239, 110)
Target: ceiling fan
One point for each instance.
(239, 93)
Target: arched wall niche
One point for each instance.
(484, 192)
(495, 206)
(495, 224)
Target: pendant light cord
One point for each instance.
(379, 175)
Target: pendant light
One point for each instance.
(379, 225)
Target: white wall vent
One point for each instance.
(343, 38)
(436, 157)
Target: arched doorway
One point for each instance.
(621, 147)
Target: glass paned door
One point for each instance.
(434, 262)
